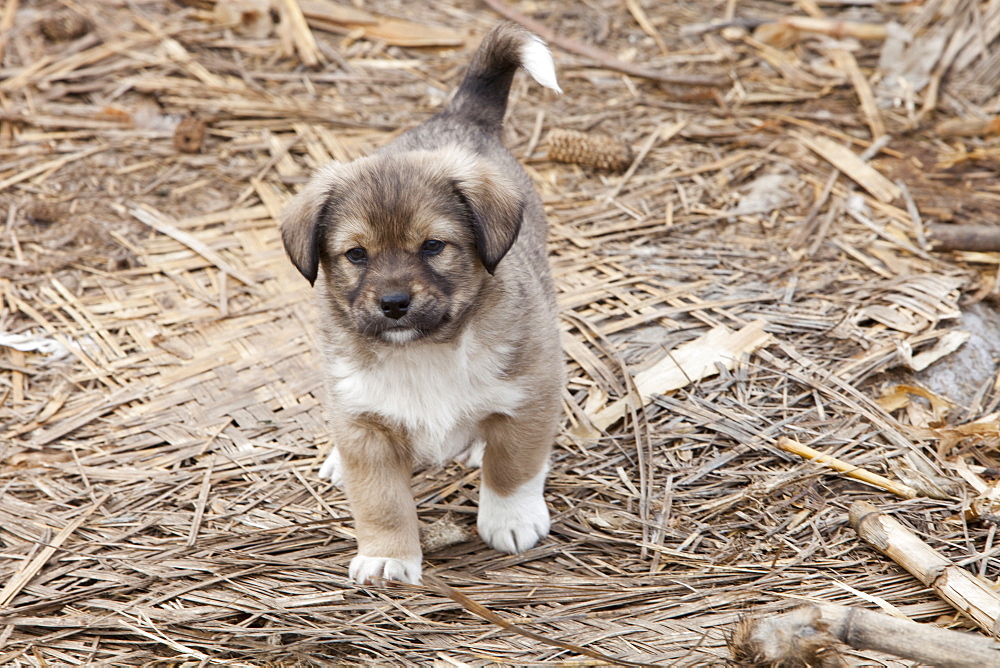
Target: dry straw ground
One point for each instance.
(159, 422)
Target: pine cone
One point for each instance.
(590, 149)
(64, 26)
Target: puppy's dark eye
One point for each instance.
(357, 255)
(432, 247)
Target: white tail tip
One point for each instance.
(537, 60)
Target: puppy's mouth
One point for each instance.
(405, 330)
(399, 335)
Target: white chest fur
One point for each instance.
(437, 392)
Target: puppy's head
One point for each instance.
(405, 240)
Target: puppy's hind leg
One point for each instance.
(513, 515)
(332, 468)
(377, 466)
(472, 456)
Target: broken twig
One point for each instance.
(960, 588)
(809, 635)
(851, 471)
(979, 238)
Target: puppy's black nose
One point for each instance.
(394, 306)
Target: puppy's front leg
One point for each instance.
(377, 466)
(512, 511)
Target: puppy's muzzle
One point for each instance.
(395, 305)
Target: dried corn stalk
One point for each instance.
(810, 635)
(960, 588)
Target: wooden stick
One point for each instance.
(6, 23)
(851, 471)
(814, 24)
(305, 43)
(981, 238)
(845, 60)
(603, 59)
(808, 636)
(17, 379)
(835, 28)
(960, 588)
(968, 127)
(640, 16)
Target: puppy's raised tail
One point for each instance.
(482, 97)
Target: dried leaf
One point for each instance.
(852, 166)
(946, 345)
(686, 364)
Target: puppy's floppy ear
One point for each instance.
(301, 226)
(495, 207)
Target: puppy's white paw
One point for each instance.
(514, 523)
(472, 456)
(365, 570)
(332, 469)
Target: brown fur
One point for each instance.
(488, 289)
(386, 521)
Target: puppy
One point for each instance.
(438, 316)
